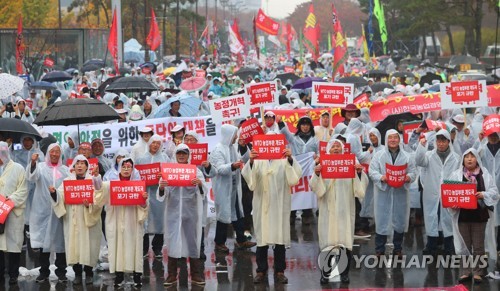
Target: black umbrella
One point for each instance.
(97, 62)
(428, 78)
(200, 64)
(357, 81)
(42, 85)
(380, 86)
(105, 84)
(90, 68)
(243, 73)
(15, 128)
(57, 76)
(225, 60)
(376, 73)
(287, 76)
(150, 66)
(390, 122)
(403, 75)
(76, 111)
(70, 70)
(132, 84)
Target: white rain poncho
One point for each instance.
(12, 186)
(82, 225)
(105, 162)
(154, 106)
(271, 182)
(297, 144)
(432, 174)
(491, 198)
(492, 164)
(124, 231)
(69, 152)
(367, 203)
(336, 202)
(356, 130)
(183, 216)
(113, 172)
(23, 157)
(226, 184)
(46, 229)
(156, 207)
(391, 205)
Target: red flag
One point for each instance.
(19, 47)
(256, 41)
(113, 42)
(154, 37)
(266, 23)
(340, 45)
(288, 38)
(311, 33)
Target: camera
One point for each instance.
(9, 107)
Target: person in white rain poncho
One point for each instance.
(71, 148)
(226, 185)
(391, 205)
(98, 152)
(114, 172)
(337, 208)
(13, 187)
(436, 166)
(82, 224)
(473, 229)
(141, 147)
(23, 157)
(46, 229)
(270, 124)
(124, 229)
(155, 221)
(183, 221)
(324, 131)
(271, 182)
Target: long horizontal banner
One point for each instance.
(125, 135)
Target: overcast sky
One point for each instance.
(280, 8)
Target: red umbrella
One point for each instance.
(193, 84)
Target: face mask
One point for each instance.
(269, 123)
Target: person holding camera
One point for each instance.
(17, 110)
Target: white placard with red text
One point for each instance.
(149, 173)
(491, 124)
(178, 175)
(464, 94)
(262, 93)
(332, 94)
(269, 147)
(127, 193)
(77, 191)
(230, 108)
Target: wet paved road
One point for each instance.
(235, 271)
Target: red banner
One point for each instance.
(338, 166)
(493, 95)
(461, 195)
(491, 124)
(432, 124)
(20, 48)
(395, 175)
(379, 110)
(291, 117)
(154, 37)
(76, 191)
(261, 93)
(113, 42)
(408, 128)
(127, 193)
(93, 163)
(361, 99)
(149, 173)
(178, 175)
(249, 129)
(48, 62)
(266, 23)
(269, 147)
(6, 207)
(198, 153)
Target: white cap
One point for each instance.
(459, 118)
(270, 114)
(177, 128)
(121, 111)
(145, 129)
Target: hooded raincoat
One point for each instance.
(336, 204)
(297, 144)
(46, 229)
(492, 164)
(69, 152)
(82, 225)
(184, 216)
(12, 186)
(367, 204)
(391, 205)
(432, 174)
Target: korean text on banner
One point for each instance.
(149, 173)
(332, 94)
(462, 195)
(379, 110)
(408, 128)
(198, 153)
(302, 196)
(269, 147)
(127, 193)
(77, 191)
(491, 124)
(262, 94)
(463, 94)
(178, 175)
(230, 108)
(395, 175)
(249, 129)
(338, 166)
(6, 207)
